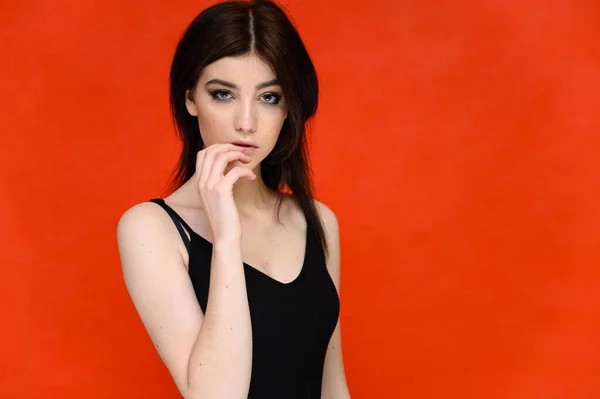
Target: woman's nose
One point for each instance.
(245, 118)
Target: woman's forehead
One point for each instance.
(242, 70)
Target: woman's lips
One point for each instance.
(247, 149)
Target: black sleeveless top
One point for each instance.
(292, 323)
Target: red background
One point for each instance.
(457, 143)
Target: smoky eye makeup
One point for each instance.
(220, 95)
(269, 98)
(275, 98)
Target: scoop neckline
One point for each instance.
(265, 275)
(193, 234)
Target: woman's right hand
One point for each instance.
(215, 188)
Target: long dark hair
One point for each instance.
(260, 27)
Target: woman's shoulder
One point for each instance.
(323, 210)
(147, 237)
(144, 222)
(327, 215)
(141, 215)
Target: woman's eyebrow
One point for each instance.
(273, 82)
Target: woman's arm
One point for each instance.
(334, 376)
(208, 356)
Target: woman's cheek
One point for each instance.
(210, 131)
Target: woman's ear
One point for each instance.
(190, 104)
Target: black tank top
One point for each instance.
(292, 323)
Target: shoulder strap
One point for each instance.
(179, 222)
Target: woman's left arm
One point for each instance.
(334, 376)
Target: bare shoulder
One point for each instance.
(139, 217)
(332, 235)
(146, 224)
(145, 241)
(328, 216)
(325, 213)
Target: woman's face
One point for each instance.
(238, 99)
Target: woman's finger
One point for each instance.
(220, 164)
(211, 153)
(227, 182)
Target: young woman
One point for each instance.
(236, 273)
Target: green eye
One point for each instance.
(274, 98)
(224, 95)
(219, 95)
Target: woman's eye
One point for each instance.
(220, 95)
(271, 98)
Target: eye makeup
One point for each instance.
(224, 95)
